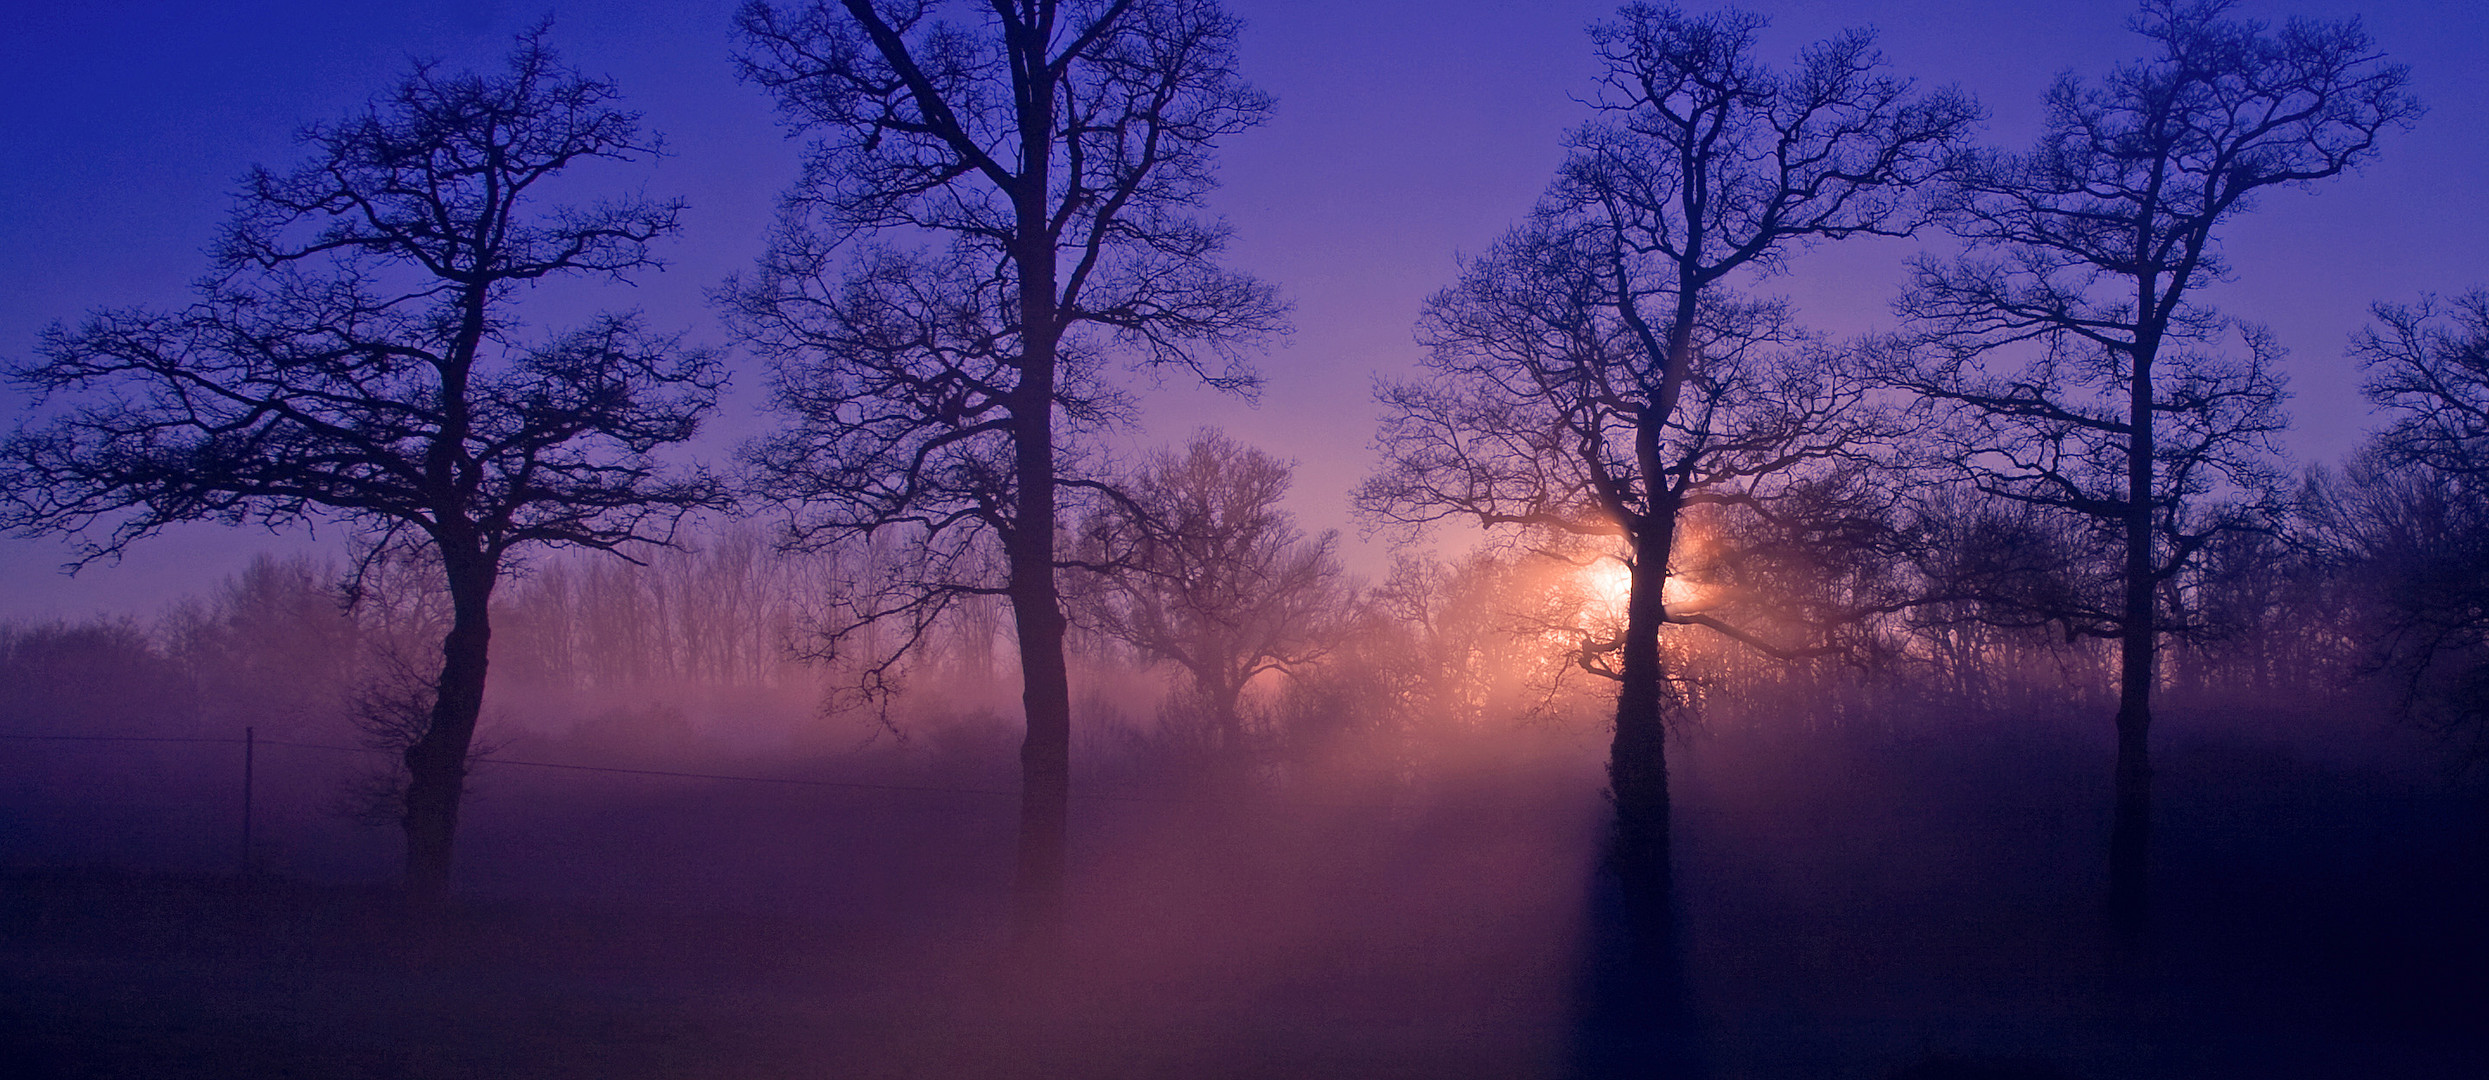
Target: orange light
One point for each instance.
(1609, 585)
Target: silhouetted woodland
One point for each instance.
(1929, 580)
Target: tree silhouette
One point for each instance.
(2428, 367)
(995, 210)
(356, 356)
(1201, 568)
(1593, 375)
(2409, 517)
(274, 648)
(2126, 404)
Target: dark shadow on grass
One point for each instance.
(1635, 1014)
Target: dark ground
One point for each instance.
(1855, 905)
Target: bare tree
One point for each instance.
(718, 612)
(1593, 374)
(356, 356)
(273, 648)
(996, 208)
(103, 676)
(2125, 403)
(2428, 367)
(1201, 568)
(2409, 518)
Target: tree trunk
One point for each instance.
(1638, 759)
(1028, 541)
(436, 764)
(1036, 604)
(1045, 684)
(2130, 834)
(1046, 752)
(1226, 711)
(2130, 831)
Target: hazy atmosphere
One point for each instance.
(1152, 538)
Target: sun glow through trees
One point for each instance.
(1607, 585)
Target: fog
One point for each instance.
(668, 869)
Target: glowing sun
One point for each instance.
(1608, 585)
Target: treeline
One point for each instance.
(2054, 484)
(293, 647)
(2372, 594)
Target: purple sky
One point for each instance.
(1407, 132)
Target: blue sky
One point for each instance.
(1407, 132)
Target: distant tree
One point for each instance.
(274, 648)
(103, 677)
(1592, 374)
(356, 356)
(1199, 567)
(65, 684)
(2428, 368)
(719, 611)
(996, 209)
(2080, 373)
(2410, 515)
(2262, 612)
(1996, 577)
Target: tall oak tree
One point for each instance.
(1594, 373)
(2069, 345)
(998, 205)
(357, 356)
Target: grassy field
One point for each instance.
(1866, 906)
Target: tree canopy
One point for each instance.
(356, 355)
